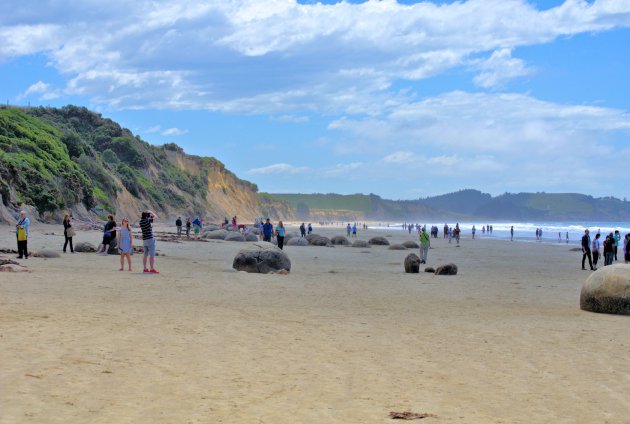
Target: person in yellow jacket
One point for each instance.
(425, 243)
(21, 232)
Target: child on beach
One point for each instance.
(124, 237)
(68, 232)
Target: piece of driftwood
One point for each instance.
(408, 415)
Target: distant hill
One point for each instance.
(54, 160)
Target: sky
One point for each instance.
(403, 99)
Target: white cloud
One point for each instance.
(400, 157)
(291, 119)
(279, 57)
(279, 168)
(154, 129)
(171, 132)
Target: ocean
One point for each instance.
(526, 231)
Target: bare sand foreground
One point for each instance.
(347, 337)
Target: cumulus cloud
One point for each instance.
(278, 57)
(279, 168)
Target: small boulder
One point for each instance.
(297, 241)
(251, 237)
(234, 237)
(261, 258)
(113, 248)
(397, 247)
(411, 244)
(412, 264)
(309, 237)
(319, 241)
(210, 227)
(216, 235)
(429, 269)
(84, 247)
(607, 290)
(448, 269)
(339, 241)
(45, 253)
(379, 241)
(361, 243)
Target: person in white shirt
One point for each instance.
(596, 248)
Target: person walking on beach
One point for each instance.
(188, 225)
(178, 224)
(21, 233)
(68, 232)
(354, 230)
(109, 233)
(609, 249)
(310, 228)
(512, 233)
(473, 232)
(457, 233)
(450, 235)
(616, 238)
(148, 242)
(596, 250)
(124, 237)
(348, 229)
(586, 250)
(267, 230)
(302, 230)
(425, 242)
(280, 234)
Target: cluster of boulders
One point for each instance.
(412, 266)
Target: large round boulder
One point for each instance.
(84, 247)
(210, 227)
(261, 258)
(379, 241)
(297, 241)
(234, 237)
(319, 241)
(289, 236)
(312, 236)
(251, 237)
(361, 243)
(448, 269)
(45, 253)
(411, 244)
(339, 241)
(412, 264)
(216, 235)
(607, 290)
(397, 247)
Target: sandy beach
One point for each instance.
(347, 337)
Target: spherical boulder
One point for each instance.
(84, 247)
(45, 253)
(411, 244)
(210, 227)
(251, 237)
(448, 269)
(319, 241)
(430, 269)
(234, 237)
(607, 290)
(261, 258)
(412, 264)
(397, 247)
(361, 243)
(217, 235)
(339, 241)
(309, 237)
(379, 241)
(297, 241)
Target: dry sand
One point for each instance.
(346, 337)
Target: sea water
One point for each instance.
(526, 231)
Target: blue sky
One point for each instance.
(403, 99)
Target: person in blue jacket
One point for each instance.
(21, 232)
(267, 230)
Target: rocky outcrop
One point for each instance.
(262, 258)
(379, 241)
(447, 269)
(607, 290)
(412, 264)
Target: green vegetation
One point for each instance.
(351, 202)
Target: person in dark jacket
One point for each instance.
(609, 249)
(68, 232)
(586, 250)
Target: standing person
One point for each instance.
(348, 229)
(456, 233)
(616, 239)
(586, 249)
(267, 230)
(188, 225)
(124, 237)
(609, 249)
(21, 233)
(302, 230)
(626, 248)
(512, 233)
(197, 224)
(445, 230)
(148, 242)
(310, 228)
(68, 232)
(280, 234)
(473, 231)
(354, 230)
(450, 235)
(425, 242)
(596, 250)
(109, 233)
(567, 237)
(178, 224)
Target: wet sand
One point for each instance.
(347, 337)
